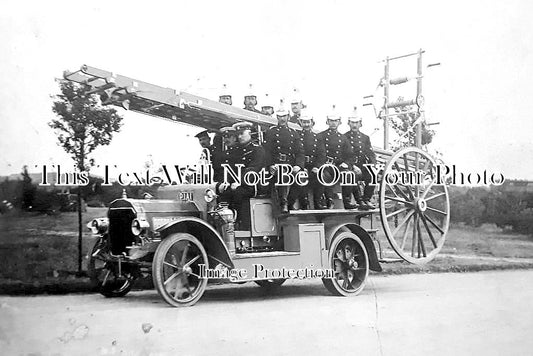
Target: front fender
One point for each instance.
(364, 236)
(210, 238)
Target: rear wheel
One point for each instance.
(415, 214)
(349, 261)
(176, 269)
(105, 274)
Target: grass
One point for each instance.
(36, 246)
(472, 249)
(40, 248)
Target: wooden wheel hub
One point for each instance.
(421, 205)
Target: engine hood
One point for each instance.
(142, 206)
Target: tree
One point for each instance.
(403, 126)
(28, 190)
(82, 124)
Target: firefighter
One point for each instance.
(296, 106)
(208, 149)
(252, 156)
(314, 158)
(283, 146)
(339, 152)
(228, 155)
(267, 108)
(363, 154)
(225, 96)
(250, 101)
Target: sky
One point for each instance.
(332, 51)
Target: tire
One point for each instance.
(415, 217)
(104, 273)
(178, 258)
(348, 259)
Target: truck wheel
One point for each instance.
(349, 261)
(415, 217)
(176, 269)
(104, 273)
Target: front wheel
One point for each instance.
(349, 261)
(110, 280)
(176, 269)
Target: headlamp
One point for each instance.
(209, 195)
(99, 226)
(139, 227)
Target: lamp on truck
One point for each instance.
(139, 227)
(99, 226)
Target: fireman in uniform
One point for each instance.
(225, 96)
(267, 108)
(283, 146)
(296, 106)
(228, 155)
(252, 156)
(250, 101)
(314, 157)
(363, 154)
(208, 149)
(339, 152)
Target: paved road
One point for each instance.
(485, 313)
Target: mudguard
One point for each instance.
(364, 236)
(205, 233)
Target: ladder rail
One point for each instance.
(164, 102)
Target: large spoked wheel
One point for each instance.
(105, 274)
(415, 210)
(349, 261)
(270, 284)
(176, 269)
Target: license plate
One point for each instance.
(185, 196)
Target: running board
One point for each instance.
(330, 212)
(264, 254)
(391, 260)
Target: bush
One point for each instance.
(46, 202)
(475, 206)
(11, 191)
(95, 203)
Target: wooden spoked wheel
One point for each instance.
(105, 274)
(176, 269)
(414, 207)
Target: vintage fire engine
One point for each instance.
(183, 232)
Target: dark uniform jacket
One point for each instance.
(252, 156)
(229, 157)
(338, 148)
(283, 145)
(314, 150)
(294, 118)
(362, 147)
